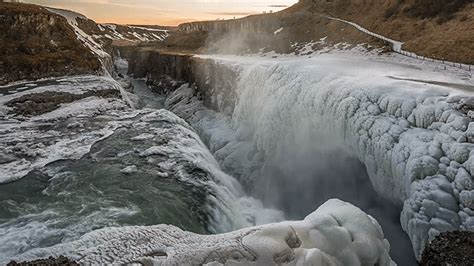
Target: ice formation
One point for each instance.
(335, 234)
(414, 136)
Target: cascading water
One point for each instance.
(303, 132)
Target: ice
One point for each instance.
(337, 233)
(144, 136)
(130, 169)
(412, 136)
(32, 147)
(86, 39)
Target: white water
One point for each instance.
(408, 135)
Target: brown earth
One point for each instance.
(35, 43)
(441, 29)
(450, 248)
(40, 103)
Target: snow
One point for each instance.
(144, 136)
(130, 169)
(396, 45)
(278, 31)
(86, 39)
(337, 233)
(412, 136)
(31, 145)
(138, 33)
(149, 29)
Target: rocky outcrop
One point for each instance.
(157, 67)
(262, 24)
(450, 248)
(38, 44)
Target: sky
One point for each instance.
(164, 12)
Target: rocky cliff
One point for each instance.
(37, 43)
(42, 42)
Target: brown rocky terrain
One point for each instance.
(36, 43)
(450, 248)
(250, 34)
(438, 29)
(442, 29)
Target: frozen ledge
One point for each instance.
(335, 234)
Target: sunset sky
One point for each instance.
(164, 12)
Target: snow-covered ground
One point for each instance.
(335, 234)
(28, 143)
(408, 121)
(83, 37)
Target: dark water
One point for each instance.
(300, 182)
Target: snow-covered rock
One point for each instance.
(129, 169)
(31, 146)
(337, 233)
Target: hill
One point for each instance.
(37, 43)
(441, 29)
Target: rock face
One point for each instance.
(450, 248)
(158, 67)
(37, 44)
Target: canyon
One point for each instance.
(248, 123)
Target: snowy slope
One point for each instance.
(335, 234)
(132, 33)
(97, 37)
(86, 39)
(410, 125)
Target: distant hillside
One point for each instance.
(442, 29)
